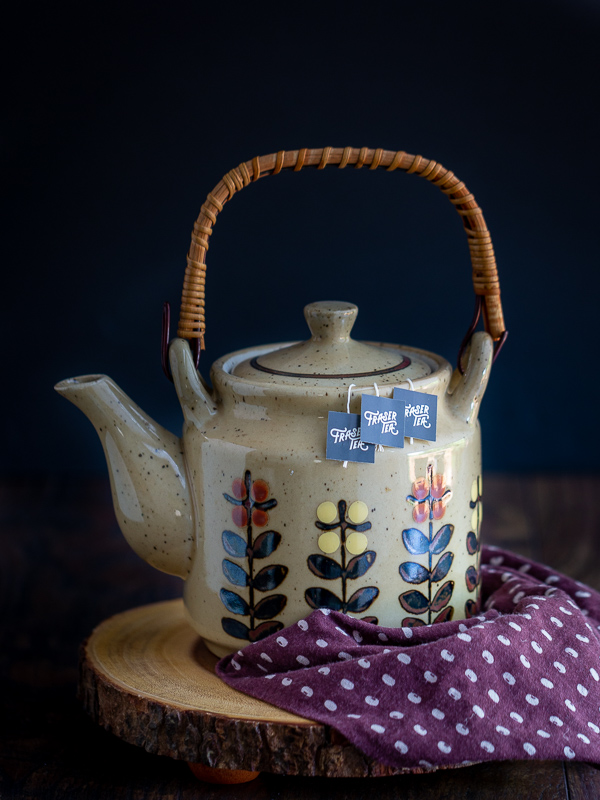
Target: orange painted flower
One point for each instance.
(250, 501)
(421, 512)
(260, 491)
(429, 497)
(260, 517)
(238, 489)
(239, 516)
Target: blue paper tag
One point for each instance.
(420, 413)
(343, 439)
(382, 420)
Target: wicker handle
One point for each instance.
(485, 275)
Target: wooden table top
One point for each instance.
(64, 567)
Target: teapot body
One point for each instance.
(280, 530)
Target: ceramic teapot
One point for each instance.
(247, 507)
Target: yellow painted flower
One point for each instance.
(358, 512)
(349, 520)
(327, 512)
(356, 543)
(329, 542)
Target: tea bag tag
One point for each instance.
(382, 420)
(420, 413)
(343, 439)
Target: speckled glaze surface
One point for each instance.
(246, 508)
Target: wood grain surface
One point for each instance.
(147, 677)
(64, 568)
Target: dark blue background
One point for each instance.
(120, 118)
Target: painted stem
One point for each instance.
(430, 559)
(343, 526)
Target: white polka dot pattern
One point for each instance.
(520, 681)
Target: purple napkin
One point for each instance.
(520, 681)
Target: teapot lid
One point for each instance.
(331, 355)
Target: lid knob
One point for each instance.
(330, 321)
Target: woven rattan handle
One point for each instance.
(485, 275)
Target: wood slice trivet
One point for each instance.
(146, 676)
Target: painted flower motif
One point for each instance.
(342, 528)
(429, 497)
(250, 502)
(331, 517)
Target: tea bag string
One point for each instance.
(352, 386)
(379, 446)
(412, 388)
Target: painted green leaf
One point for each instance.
(319, 597)
(471, 608)
(265, 629)
(270, 606)
(412, 622)
(358, 565)
(364, 526)
(266, 504)
(361, 599)
(442, 596)
(269, 577)
(265, 544)
(442, 567)
(472, 543)
(414, 601)
(231, 499)
(471, 578)
(234, 603)
(446, 615)
(415, 541)
(412, 572)
(441, 540)
(235, 573)
(235, 628)
(324, 567)
(234, 544)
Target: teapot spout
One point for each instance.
(149, 484)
